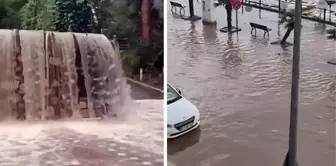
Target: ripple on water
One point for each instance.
(217, 69)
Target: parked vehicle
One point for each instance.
(182, 115)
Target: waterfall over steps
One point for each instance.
(52, 75)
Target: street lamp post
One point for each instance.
(291, 155)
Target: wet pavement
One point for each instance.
(241, 85)
(137, 92)
(132, 140)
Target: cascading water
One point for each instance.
(45, 75)
(7, 74)
(104, 81)
(33, 62)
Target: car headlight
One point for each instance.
(169, 126)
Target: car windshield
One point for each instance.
(172, 95)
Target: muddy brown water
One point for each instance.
(241, 85)
(133, 140)
(46, 74)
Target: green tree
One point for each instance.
(38, 15)
(10, 13)
(288, 20)
(74, 16)
(116, 18)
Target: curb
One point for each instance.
(145, 85)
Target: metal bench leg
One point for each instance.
(252, 30)
(266, 32)
(182, 14)
(171, 9)
(174, 9)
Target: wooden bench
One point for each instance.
(175, 5)
(261, 27)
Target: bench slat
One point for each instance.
(258, 26)
(176, 4)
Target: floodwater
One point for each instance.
(45, 75)
(135, 140)
(241, 85)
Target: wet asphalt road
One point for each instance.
(48, 144)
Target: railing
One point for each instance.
(277, 8)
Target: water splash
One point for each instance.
(47, 74)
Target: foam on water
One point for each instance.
(143, 128)
(31, 142)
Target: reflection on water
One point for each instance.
(181, 143)
(241, 84)
(320, 27)
(210, 34)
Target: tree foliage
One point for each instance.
(118, 17)
(38, 15)
(73, 16)
(57, 15)
(9, 13)
(110, 17)
(287, 19)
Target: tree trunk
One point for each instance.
(191, 8)
(228, 8)
(288, 32)
(146, 16)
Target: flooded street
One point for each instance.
(136, 139)
(241, 85)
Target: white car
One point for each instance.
(182, 115)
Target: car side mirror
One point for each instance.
(178, 91)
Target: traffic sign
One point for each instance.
(236, 4)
